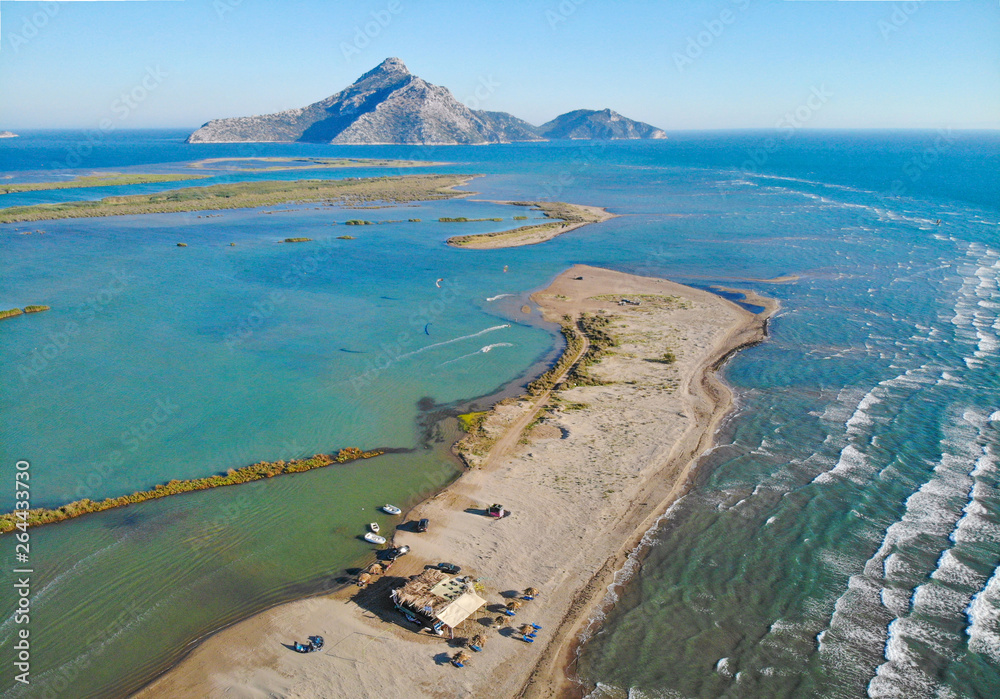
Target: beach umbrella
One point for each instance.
(364, 579)
(513, 606)
(376, 569)
(460, 658)
(527, 630)
(477, 642)
(531, 593)
(500, 621)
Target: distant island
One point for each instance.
(8, 134)
(390, 105)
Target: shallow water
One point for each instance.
(842, 539)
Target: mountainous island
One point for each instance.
(8, 134)
(390, 105)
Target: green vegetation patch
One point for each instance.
(248, 195)
(247, 474)
(108, 179)
(10, 313)
(471, 422)
(297, 240)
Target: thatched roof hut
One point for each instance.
(438, 597)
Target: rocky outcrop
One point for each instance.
(385, 105)
(388, 104)
(604, 124)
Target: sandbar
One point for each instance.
(586, 470)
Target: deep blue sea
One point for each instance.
(842, 540)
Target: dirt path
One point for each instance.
(513, 434)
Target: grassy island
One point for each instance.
(297, 240)
(246, 195)
(562, 219)
(107, 179)
(270, 164)
(247, 474)
(10, 313)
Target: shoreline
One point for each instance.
(244, 658)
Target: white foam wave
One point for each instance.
(983, 615)
(498, 296)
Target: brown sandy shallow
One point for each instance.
(584, 484)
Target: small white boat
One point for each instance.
(391, 509)
(374, 538)
(374, 527)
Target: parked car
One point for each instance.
(393, 554)
(450, 568)
(422, 525)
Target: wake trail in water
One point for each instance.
(481, 350)
(498, 296)
(453, 340)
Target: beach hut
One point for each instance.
(530, 594)
(437, 599)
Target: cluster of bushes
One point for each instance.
(247, 474)
(595, 328)
(358, 222)
(10, 313)
(574, 342)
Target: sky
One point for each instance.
(677, 64)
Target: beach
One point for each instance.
(595, 467)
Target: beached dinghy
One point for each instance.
(374, 527)
(373, 538)
(391, 509)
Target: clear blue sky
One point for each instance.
(878, 64)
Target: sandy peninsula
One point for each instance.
(586, 464)
(563, 219)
